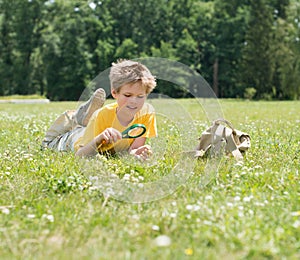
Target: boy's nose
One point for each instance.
(133, 100)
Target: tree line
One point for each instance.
(242, 48)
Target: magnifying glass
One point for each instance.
(133, 131)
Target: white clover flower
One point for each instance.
(173, 215)
(197, 207)
(135, 217)
(251, 212)
(237, 198)
(229, 204)
(155, 228)
(126, 177)
(5, 211)
(208, 197)
(247, 199)
(134, 179)
(163, 241)
(240, 163)
(189, 207)
(296, 224)
(50, 218)
(295, 213)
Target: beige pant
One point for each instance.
(63, 133)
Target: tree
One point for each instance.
(257, 58)
(7, 82)
(128, 49)
(66, 57)
(229, 27)
(55, 47)
(27, 20)
(287, 52)
(201, 29)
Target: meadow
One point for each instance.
(51, 209)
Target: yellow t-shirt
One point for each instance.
(106, 117)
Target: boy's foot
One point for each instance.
(85, 111)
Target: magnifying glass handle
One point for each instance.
(102, 143)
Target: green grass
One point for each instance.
(49, 209)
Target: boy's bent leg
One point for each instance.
(67, 141)
(85, 111)
(70, 119)
(63, 124)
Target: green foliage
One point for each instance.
(50, 210)
(165, 50)
(249, 93)
(186, 48)
(56, 48)
(232, 18)
(258, 66)
(287, 52)
(126, 50)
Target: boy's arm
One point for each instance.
(109, 135)
(89, 149)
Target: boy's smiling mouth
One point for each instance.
(131, 108)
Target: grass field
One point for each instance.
(49, 209)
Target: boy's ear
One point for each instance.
(113, 93)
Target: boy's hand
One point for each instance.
(143, 152)
(109, 135)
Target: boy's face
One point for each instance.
(130, 98)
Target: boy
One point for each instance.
(94, 129)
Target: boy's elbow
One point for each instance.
(79, 153)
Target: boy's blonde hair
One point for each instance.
(127, 71)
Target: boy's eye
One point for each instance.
(129, 95)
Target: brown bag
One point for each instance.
(221, 137)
